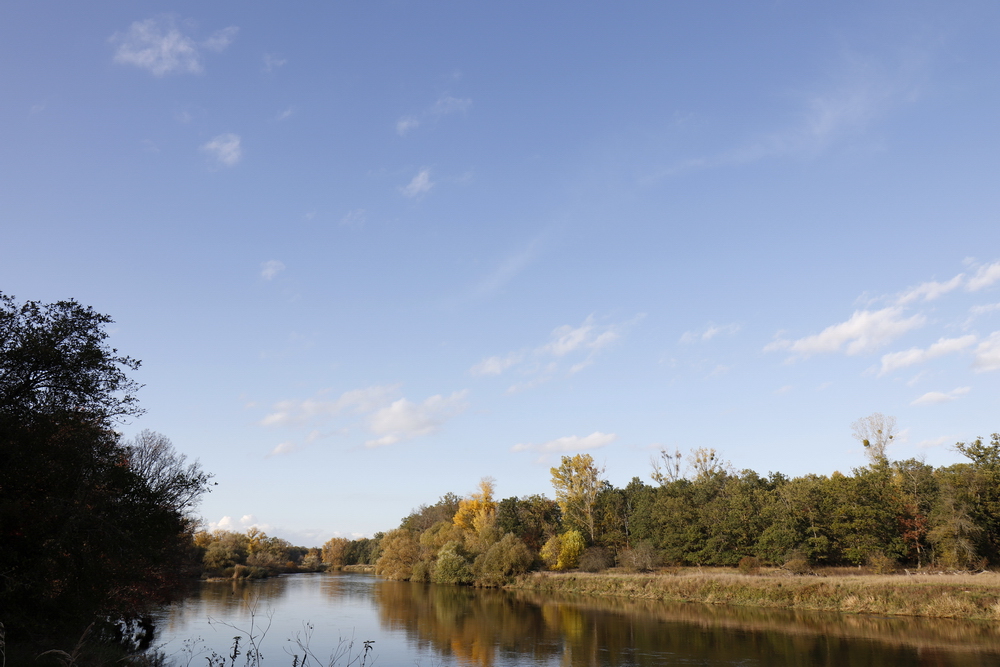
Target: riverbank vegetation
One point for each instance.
(886, 517)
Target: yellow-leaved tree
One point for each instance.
(577, 482)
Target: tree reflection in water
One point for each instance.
(487, 628)
(442, 626)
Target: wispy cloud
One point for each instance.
(158, 46)
(272, 63)
(271, 268)
(354, 218)
(405, 124)
(301, 412)
(935, 397)
(404, 419)
(225, 149)
(710, 332)
(283, 115)
(420, 184)
(579, 344)
(987, 355)
(570, 443)
(444, 106)
(985, 276)
(865, 331)
(915, 355)
(508, 269)
(929, 291)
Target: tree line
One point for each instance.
(886, 515)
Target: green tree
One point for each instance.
(90, 527)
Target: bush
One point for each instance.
(798, 565)
(879, 563)
(400, 551)
(550, 552)
(452, 566)
(641, 558)
(572, 548)
(749, 565)
(596, 559)
(506, 559)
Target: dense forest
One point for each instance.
(885, 515)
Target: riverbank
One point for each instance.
(964, 596)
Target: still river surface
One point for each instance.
(427, 625)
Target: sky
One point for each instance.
(371, 252)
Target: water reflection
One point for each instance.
(490, 627)
(447, 625)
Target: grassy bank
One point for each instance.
(966, 596)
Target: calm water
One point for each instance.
(418, 624)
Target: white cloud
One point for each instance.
(935, 397)
(508, 269)
(983, 310)
(710, 332)
(915, 355)
(935, 442)
(405, 124)
(420, 184)
(271, 268)
(988, 354)
(273, 62)
(444, 106)
(298, 412)
(496, 365)
(220, 39)
(287, 113)
(355, 218)
(985, 276)
(570, 443)
(404, 419)
(865, 331)
(225, 148)
(447, 104)
(929, 291)
(286, 447)
(157, 45)
(245, 522)
(565, 341)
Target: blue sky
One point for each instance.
(372, 252)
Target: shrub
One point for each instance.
(572, 548)
(550, 552)
(596, 559)
(749, 565)
(452, 566)
(879, 563)
(506, 559)
(798, 565)
(641, 558)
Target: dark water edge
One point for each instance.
(424, 624)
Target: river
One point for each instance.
(427, 625)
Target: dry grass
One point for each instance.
(968, 596)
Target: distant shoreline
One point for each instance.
(963, 596)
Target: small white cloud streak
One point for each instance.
(225, 148)
(286, 447)
(985, 276)
(405, 124)
(287, 113)
(987, 354)
(273, 62)
(930, 290)
(420, 184)
(496, 365)
(156, 45)
(271, 268)
(865, 331)
(355, 218)
(404, 419)
(297, 412)
(710, 332)
(570, 443)
(447, 104)
(936, 397)
(508, 269)
(220, 39)
(915, 355)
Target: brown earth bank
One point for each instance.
(973, 596)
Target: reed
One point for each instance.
(965, 596)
